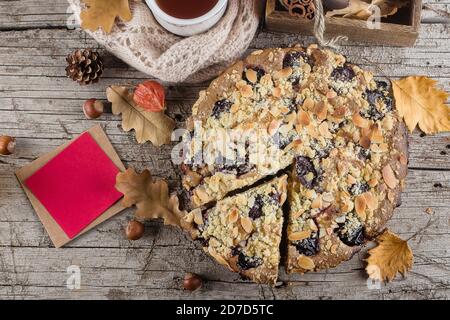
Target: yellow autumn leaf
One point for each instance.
(390, 256)
(420, 102)
(103, 13)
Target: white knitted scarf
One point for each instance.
(146, 46)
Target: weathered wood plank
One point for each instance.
(25, 14)
(59, 120)
(42, 108)
(157, 270)
(425, 189)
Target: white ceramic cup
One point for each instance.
(188, 27)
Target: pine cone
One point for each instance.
(85, 66)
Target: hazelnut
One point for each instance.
(134, 230)
(93, 108)
(7, 145)
(192, 282)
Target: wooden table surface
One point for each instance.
(42, 108)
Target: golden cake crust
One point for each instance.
(343, 127)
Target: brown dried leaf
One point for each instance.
(149, 126)
(103, 14)
(360, 9)
(392, 255)
(420, 102)
(150, 197)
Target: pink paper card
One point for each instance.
(77, 185)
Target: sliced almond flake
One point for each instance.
(331, 94)
(388, 123)
(233, 215)
(303, 118)
(273, 127)
(257, 52)
(308, 104)
(364, 141)
(299, 235)
(266, 80)
(373, 182)
(286, 72)
(403, 159)
(339, 112)
(220, 259)
(317, 202)
(350, 179)
(312, 131)
(251, 75)
(284, 129)
(389, 177)
(202, 195)
(296, 214)
(360, 206)
(306, 68)
(324, 131)
(276, 92)
(291, 118)
(189, 218)
(359, 121)
(235, 232)
(371, 200)
(246, 91)
(240, 84)
(275, 111)
(376, 134)
(384, 147)
(284, 110)
(328, 197)
(312, 225)
(334, 248)
(375, 148)
(391, 196)
(294, 145)
(305, 262)
(321, 110)
(198, 218)
(247, 224)
(234, 108)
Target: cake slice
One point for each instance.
(251, 100)
(243, 232)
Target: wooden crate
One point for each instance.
(400, 29)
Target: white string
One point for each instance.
(319, 28)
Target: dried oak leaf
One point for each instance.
(149, 126)
(103, 13)
(360, 9)
(420, 102)
(392, 255)
(150, 197)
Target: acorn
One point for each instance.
(7, 145)
(192, 282)
(134, 230)
(93, 108)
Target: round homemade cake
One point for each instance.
(309, 113)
